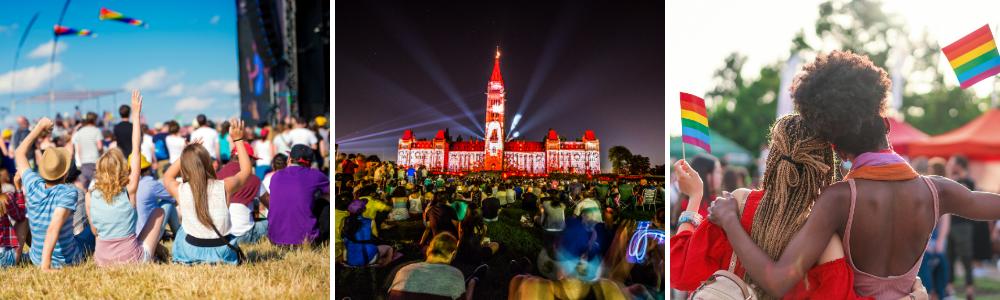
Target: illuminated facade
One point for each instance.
(494, 153)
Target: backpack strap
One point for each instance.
(741, 204)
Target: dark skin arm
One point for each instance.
(778, 277)
(829, 215)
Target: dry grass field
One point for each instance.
(273, 273)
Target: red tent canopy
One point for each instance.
(903, 134)
(977, 140)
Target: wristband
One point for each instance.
(912, 297)
(237, 140)
(690, 217)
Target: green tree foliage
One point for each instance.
(638, 164)
(744, 112)
(620, 158)
(744, 109)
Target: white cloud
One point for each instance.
(8, 29)
(31, 78)
(211, 87)
(45, 50)
(193, 103)
(215, 19)
(152, 80)
(174, 91)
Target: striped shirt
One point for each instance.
(85, 142)
(41, 203)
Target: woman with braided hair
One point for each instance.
(799, 165)
(891, 208)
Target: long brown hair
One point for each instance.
(799, 165)
(111, 175)
(197, 170)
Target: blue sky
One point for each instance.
(184, 64)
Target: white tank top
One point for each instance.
(262, 149)
(217, 209)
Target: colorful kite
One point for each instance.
(107, 14)
(974, 57)
(61, 30)
(694, 121)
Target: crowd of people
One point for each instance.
(84, 188)
(579, 220)
(833, 210)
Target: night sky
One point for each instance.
(567, 66)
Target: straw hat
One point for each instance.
(54, 164)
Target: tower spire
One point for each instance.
(496, 69)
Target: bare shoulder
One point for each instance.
(741, 193)
(834, 199)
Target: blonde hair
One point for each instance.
(799, 165)
(111, 176)
(443, 246)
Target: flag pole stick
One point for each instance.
(683, 152)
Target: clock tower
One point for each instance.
(493, 159)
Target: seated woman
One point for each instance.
(399, 203)
(13, 225)
(358, 240)
(203, 203)
(111, 206)
(798, 166)
(473, 246)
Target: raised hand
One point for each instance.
(136, 101)
(236, 128)
(196, 141)
(45, 124)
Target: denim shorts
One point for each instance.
(8, 257)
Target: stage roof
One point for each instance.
(66, 96)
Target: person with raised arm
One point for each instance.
(49, 203)
(203, 203)
(891, 209)
(111, 204)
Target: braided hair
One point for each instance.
(799, 165)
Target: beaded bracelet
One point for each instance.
(690, 217)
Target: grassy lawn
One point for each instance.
(273, 273)
(365, 283)
(986, 288)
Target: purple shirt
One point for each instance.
(293, 197)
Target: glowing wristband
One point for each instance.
(636, 252)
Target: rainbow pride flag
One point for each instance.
(974, 57)
(61, 30)
(694, 122)
(107, 14)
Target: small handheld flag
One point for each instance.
(694, 122)
(107, 14)
(62, 30)
(974, 57)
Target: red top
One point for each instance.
(695, 255)
(249, 191)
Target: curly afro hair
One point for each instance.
(842, 97)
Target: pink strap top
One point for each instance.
(867, 285)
